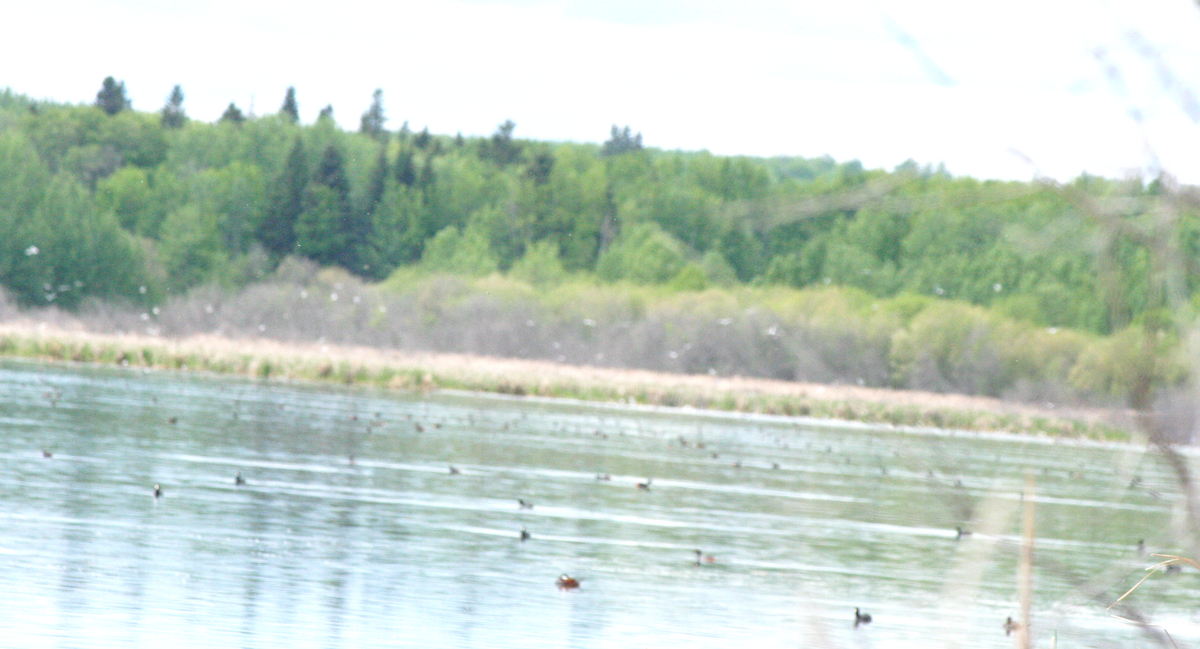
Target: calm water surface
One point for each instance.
(351, 530)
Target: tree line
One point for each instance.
(104, 201)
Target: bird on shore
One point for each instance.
(645, 486)
(238, 480)
(1011, 625)
(524, 534)
(157, 492)
(525, 504)
(702, 558)
(861, 617)
(566, 582)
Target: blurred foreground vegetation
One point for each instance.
(612, 255)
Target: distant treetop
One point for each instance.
(374, 119)
(172, 113)
(289, 109)
(621, 141)
(233, 114)
(111, 98)
(326, 113)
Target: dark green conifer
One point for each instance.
(326, 113)
(373, 120)
(405, 170)
(233, 115)
(173, 115)
(112, 99)
(289, 110)
(278, 229)
(621, 141)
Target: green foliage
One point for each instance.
(539, 266)
(373, 120)
(502, 149)
(191, 248)
(621, 141)
(467, 253)
(644, 254)
(277, 231)
(233, 115)
(173, 115)
(111, 98)
(290, 110)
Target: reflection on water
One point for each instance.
(351, 529)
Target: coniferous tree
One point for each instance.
(326, 113)
(374, 119)
(427, 177)
(328, 231)
(458, 140)
(173, 115)
(502, 149)
(421, 140)
(112, 99)
(377, 183)
(233, 114)
(621, 141)
(289, 110)
(277, 231)
(405, 170)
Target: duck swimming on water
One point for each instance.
(238, 479)
(565, 582)
(157, 492)
(645, 486)
(702, 558)
(524, 534)
(861, 617)
(525, 504)
(1011, 625)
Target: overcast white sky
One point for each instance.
(1002, 90)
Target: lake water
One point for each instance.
(351, 530)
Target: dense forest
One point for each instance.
(103, 203)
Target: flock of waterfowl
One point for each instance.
(566, 582)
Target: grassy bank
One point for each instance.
(272, 360)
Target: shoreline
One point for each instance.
(268, 359)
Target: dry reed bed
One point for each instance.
(268, 359)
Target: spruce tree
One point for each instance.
(233, 114)
(173, 115)
(405, 170)
(421, 140)
(111, 99)
(328, 231)
(377, 182)
(326, 113)
(289, 110)
(621, 141)
(277, 231)
(374, 119)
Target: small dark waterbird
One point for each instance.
(702, 558)
(566, 582)
(238, 480)
(961, 532)
(157, 492)
(525, 504)
(861, 617)
(1011, 625)
(454, 470)
(645, 486)
(47, 454)
(524, 534)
